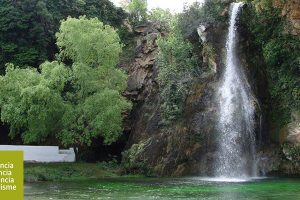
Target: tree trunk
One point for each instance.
(76, 153)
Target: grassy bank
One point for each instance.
(69, 171)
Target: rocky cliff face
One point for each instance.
(185, 147)
(142, 85)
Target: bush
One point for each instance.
(178, 66)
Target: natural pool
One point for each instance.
(157, 188)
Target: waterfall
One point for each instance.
(235, 157)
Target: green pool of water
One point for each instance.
(155, 188)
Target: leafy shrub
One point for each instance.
(132, 162)
(177, 67)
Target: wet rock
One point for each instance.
(268, 160)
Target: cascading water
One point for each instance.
(235, 156)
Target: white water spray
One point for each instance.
(236, 140)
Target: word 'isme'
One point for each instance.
(8, 187)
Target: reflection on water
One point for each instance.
(230, 180)
(154, 188)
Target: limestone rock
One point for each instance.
(291, 147)
(173, 149)
(293, 130)
(143, 68)
(201, 30)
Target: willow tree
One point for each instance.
(94, 103)
(76, 98)
(31, 102)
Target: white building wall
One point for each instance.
(42, 154)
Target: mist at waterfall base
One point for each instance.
(235, 156)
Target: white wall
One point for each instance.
(43, 154)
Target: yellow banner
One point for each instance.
(11, 175)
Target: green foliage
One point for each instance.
(108, 165)
(137, 10)
(27, 27)
(283, 59)
(75, 102)
(177, 67)
(262, 5)
(282, 56)
(292, 152)
(82, 41)
(103, 10)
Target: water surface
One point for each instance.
(155, 188)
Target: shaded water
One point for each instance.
(236, 139)
(153, 188)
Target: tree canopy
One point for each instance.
(28, 27)
(95, 103)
